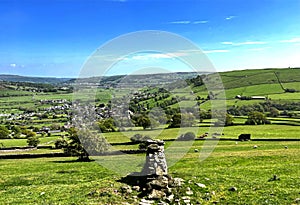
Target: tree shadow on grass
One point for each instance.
(73, 161)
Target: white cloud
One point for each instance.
(199, 22)
(293, 40)
(216, 51)
(13, 65)
(153, 56)
(252, 43)
(227, 43)
(118, 1)
(188, 22)
(244, 43)
(180, 22)
(230, 17)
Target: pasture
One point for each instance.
(261, 172)
(251, 171)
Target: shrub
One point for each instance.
(60, 143)
(136, 138)
(140, 138)
(4, 133)
(33, 141)
(187, 136)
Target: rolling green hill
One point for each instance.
(17, 78)
(277, 85)
(263, 82)
(254, 87)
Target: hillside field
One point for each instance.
(262, 172)
(64, 181)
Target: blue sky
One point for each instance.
(56, 37)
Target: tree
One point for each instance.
(175, 121)
(187, 136)
(204, 115)
(16, 131)
(182, 120)
(227, 121)
(33, 141)
(256, 118)
(74, 146)
(157, 116)
(55, 126)
(4, 133)
(30, 134)
(140, 138)
(107, 125)
(274, 112)
(143, 121)
(187, 119)
(82, 143)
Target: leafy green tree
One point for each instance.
(187, 119)
(33, 141)
(227, 121)
(55, 126)
(74, 146)
(107, 125)
(256, 118)
(143, 121)
(30, 134)
(187, 136)
(204, 115)
(175, 121)
(157, 116)
(4, 133)
(61, 143)
(16, 130)
(274, 112)
(82, 143)
(139, 138)
(182, 120)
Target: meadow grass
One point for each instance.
(249, 170)
(272, 131)
(65, 181)
(285, 96)
(293, 85)
(23, 142)
(31, 151)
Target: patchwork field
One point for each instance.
(235, 172)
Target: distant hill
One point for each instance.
(47, 80)
(241, 82)
(108, 81)
(147, 79)
(242, 87)
(245, 87)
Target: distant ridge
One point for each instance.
(18, 78)
(115, 79)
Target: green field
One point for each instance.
(231, 163)
(22, 142)
(63, 181)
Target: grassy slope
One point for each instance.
(262, 82)
(61, 181)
